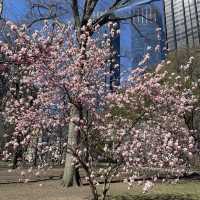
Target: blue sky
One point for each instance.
(15, 9)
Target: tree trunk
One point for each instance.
(94, 192)
(71, 174)
(17, 155)
(35, 152)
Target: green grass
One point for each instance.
(179, 191)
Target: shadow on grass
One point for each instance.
(155, 197)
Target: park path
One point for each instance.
(27, 175)
(47, 186)
(8, 176)
(30, 185)
(50, 190)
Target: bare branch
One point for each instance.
(41, 19)
(38, 5)
(107, 18)
(119, 5)
(76, 14)
(88, 10)
(1, 8)
(51, 11)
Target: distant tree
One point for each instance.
(184, 65)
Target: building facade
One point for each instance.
(148, 38)
(143, 36)
(182, 21)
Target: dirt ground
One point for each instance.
(11, 189)
(53, 190)
(48, 190)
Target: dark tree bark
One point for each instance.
(18, 155)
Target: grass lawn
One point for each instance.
(180, 191)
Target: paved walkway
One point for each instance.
(26, 175)
(47, 190)
(51, 190)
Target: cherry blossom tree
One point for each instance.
(135, 127)
(81, 13)
(22, 92)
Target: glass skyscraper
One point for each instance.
(145, 35)
(182, 19)
(148, 36)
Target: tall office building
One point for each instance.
(144, 36)
(149, 34)
(182, 19)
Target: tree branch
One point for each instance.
(41, 19)
(117, 3)
(76, 14)
(108, 18)
(88, 10)
(111, 16)
(1, 8)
